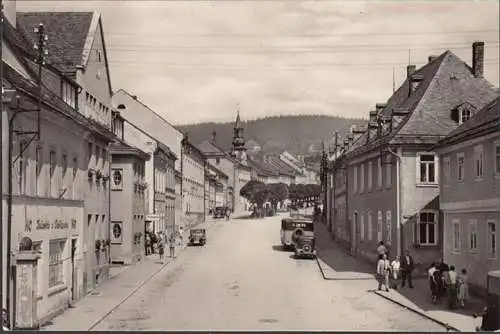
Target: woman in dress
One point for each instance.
(463, 288)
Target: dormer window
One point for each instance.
(463, 112)
(415, 81)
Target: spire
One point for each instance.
(237, 124)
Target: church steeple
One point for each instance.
(238, 139)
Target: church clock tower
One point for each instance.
(239, 149)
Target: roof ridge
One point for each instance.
(145, 106)
(427, 91)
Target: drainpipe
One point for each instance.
(399, 229)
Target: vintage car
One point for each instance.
(220, 212)
(292, 224)
(304, 244)
(197, 236)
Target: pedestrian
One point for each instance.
(383, 271)
(463, 288)
(407, 266)
(395, 268)
(381, 249)
(148, 244)
(434, 279)
(228, 213)
(161, 247)
(172, 245)
(452, 292)
(181, 235)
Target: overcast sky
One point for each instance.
(194, 61)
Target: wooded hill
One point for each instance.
(296, 134)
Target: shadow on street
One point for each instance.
(420, 295)
(280, 248)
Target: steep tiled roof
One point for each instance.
(446, 82)
(261, 170)
(281, 166)
(67, 33)
(484, 121)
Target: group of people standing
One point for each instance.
(390, 272)
(444, 281)
(158, 240)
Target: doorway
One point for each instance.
(74, 276)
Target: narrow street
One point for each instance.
(242, 280)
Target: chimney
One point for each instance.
(379, 107)
(9, 11)
(478, 59)
(410, 69)
(214, 137)
(431, 58)
(373, 117)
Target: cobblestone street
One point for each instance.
(242, 280)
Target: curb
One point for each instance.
(326, 278)
(423, 314)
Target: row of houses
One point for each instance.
(87, 170)
(422, 175)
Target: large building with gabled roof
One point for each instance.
(392, 180)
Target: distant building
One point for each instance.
(143, 117)
(470, 198)
(128, 201)
(193, 184)
(160, 195)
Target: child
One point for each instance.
(463, 288)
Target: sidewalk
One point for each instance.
(334, 263)
(418, 300)
(123, 282)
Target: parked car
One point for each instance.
(197, 236)
(220, 212)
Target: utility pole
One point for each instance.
(42, 52)
(1, 157)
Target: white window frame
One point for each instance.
(355, 179)
(464, 114)
(492, 239)
(370, 175)
(436, 229)
(446, 170)
(379, 172)
(362, 226)
(460, 177)
(496, 155)
(456, 237)
(427, 173)
(472, 236)
(478, 162)
(56, 276)
(380, 226)
(388, 226)
(370, 225)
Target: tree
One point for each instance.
(250, 189)
(278, 192)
